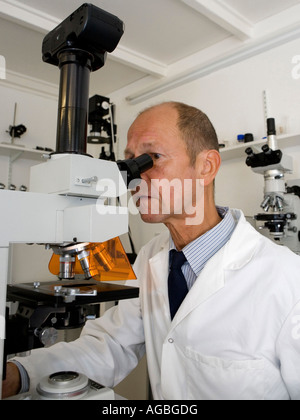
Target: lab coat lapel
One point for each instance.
(159, 268)
(233, 256)
(210, 281)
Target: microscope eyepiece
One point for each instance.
(133, 168)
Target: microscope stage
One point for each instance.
(64, 292)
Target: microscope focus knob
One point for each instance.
(249, 151)
(266, 149)
(47, 335)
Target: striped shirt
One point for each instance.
(206, 246)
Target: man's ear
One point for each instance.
(209, 163)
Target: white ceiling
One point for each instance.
(166, 42)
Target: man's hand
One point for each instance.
(12, 384)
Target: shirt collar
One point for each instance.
(206, 246)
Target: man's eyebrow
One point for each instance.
(145, 146)
(128, 151)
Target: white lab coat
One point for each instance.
(236, 335)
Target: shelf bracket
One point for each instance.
(12, 159)
(15, 156)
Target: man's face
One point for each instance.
(155, 133)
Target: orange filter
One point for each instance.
(107, 261)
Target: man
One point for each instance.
(234, 333)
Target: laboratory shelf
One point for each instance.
(238, 151)
(19, 151)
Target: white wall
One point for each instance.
(39, 115)
(233, 100)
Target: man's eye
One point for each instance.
(156, 156)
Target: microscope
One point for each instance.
(280, 220)
(68, 209)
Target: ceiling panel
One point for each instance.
(22, 51)
(163, 38)
(165, 30)
(258, 10)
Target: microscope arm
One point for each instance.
(50, 218)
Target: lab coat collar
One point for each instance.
(238, 251)
(241, 248)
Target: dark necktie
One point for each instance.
(176, 282)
